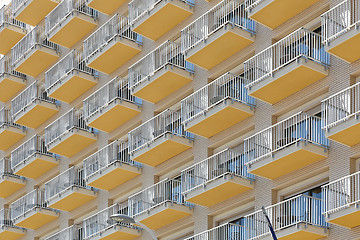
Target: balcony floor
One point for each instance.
(9, 36)
(218, 190)
(288, 80)
(116, 233)
(35, 10)
(35, 166)
(36, 114)
(163, 215)
(300, 232)
(112, 176)
(348, 217)
(71, 199)
(9, 136)
(114, 115)
(162, 18)
(287, 160)
(72, 30)
(36, 219)
(9, 233)
(347, 132)
(163, 83)
(219, 46)
(9, 185)
(273, 13)
(105, 6)
(227, 113)
(10, 86)
(162, 149)
(115, 54)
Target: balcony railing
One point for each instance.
(168, 121)
(33, 146)
(250, 4)
(224, 162)
(73, 232)
(341, 193)
(225, 231)
(340, 19)
(226, 12)
(7, 18)
(35, 38)
(71, 178)
(228, 86)
(341, 106)
(72, 62)
(116, 151)
(116, 27)
(168, 53)
(6, 170)
(299, 44)
(297, 128)
(32, 94)
(300, 209)
(117, 88)
(6, 68)
(6, 120)
(168, 190)
(71, 120)
(5, 219)
(139, 9)
(101, 221)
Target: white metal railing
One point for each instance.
(65, 9)
(5, 218)
(297, 128)
(228, 231)
(341, 106)
(5, 169)
(73, 178)
(218, 165)
(250, 4)
(32, 94)
(226, 12)
(6, 120)
(168, 121)
(70, 121)
(115, 28)
(299, 209)
(115, 152)
(116, 89)
(300, 44)
(32, 147)
(228, 86)
(73, 62)
(340, 19)
(168, 190)
(341, 193)
(167, 54)
(7, 69)
(73, 232)
(139, 9)
(7, 18)
(33, 39)
(101, 221)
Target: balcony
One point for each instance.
(69, 134)
(11, 82)
(159, 139)
(111, 106)
(10, 132)
(11, 30)
(32, 107)
(7, 229)
(340, 30)
(160, 73)
(341, 111)
(31, 159)
(112, 45)
(68, 190)
(33, 54)
(70, 78)
(286, 67)
(341, 199)
(69, 22)
(224, 101)
(216, 179)
(31, 211)
(73, 232)
(287, 146)
(100, 227)
(9, 182)
(32, 11)
(154, 18)
(110, 166)
(296, 218)
(105, 6)
(273, 13)
(218, 34)
(159, 205)
(224, 231)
